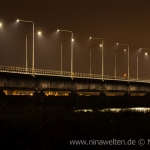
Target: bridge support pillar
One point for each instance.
(102, 94)
(72, 100)
(127, 94)
(147, 94)
(73, 93)
(40, 96)
(2, 93)
(41, 93)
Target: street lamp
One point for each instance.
(71, 48)
(61, 53)
(144, 49)
(39, 33)
(33, 41)
(115, 59)
(138, 64)
(90, 54)
(137, 59)
(102, 53)
(128, 57)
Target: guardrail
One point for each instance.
(21, 70)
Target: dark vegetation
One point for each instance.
(38, 125)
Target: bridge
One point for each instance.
(39, 80)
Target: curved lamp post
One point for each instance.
(128, 56)
(90, 56)
(102, 53)
(115, 59)
(33, 40)
(144, 49)
(137, 60)
(61, 53)
(39, 33)
(71, 48)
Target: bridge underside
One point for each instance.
(9, 81)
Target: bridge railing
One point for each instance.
(21, 70)
(51, 72)
(86, 75)
(13, 69)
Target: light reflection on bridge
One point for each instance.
(66, 93)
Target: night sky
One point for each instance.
(124, 21)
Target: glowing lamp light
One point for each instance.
(124, 50)
(90, 37)
(117, 43)
(17, 20)
(100, 45)
(39, 33)
(72, 40)
(146, 54)
(0, 24)
(58, 30)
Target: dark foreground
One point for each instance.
(40, 127)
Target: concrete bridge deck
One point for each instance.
(17, 81)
